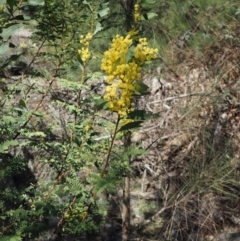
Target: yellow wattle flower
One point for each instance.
(124, 74)
(84, 51)
(88, 127)
(137, 15)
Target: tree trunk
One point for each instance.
(126, 211)
(128, 7)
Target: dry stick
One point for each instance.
(178, 201)
(188, 150)
(35, 56)
(154, 216)
(180, 96)
(162, 138)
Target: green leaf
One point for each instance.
(9, 119)
(116, 63)
(80, 60)
(7, 32)
(22, 103)
(37, 113)
(130, 54)
(37, 133)
(150, 1)
(15, 238)
(8, 238)
(4, 48)
(11, 3)
(98, 28)
(104, 4)
(141, 115)
(102, 184)
(72, 108)
(131, 125)
(136, 152)
(237, 12)
(148, 16)
(9, 60)
(39, 205)
(36, 2)
(142, 89)
(103, 12)
(96, 75)
(5, 145)
(85, 2)
(101, 104)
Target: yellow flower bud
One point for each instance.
(88, 127)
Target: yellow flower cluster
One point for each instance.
(137, 15)
(88, 127)
(143, 53)
(84, 51)
(124, 72)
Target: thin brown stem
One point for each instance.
(126, 201)
(110, 149)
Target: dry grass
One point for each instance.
(193, 151)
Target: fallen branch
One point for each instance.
(180, 96)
